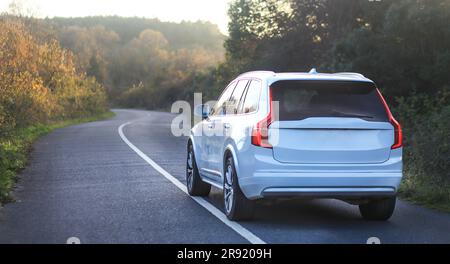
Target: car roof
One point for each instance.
(311, 75)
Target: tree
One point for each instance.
(407, 54)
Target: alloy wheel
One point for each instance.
(190, 169)
(228, 189)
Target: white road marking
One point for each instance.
(245, 233)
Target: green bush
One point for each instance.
(426, 126)
(7, 172)
(13, 153)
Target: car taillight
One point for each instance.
(398, 135)
(260, 132)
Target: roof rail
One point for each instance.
(261, 72)
(351, 73)
(313, 71)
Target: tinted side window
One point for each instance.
(220, 107)
(252, 98)
(235, 98)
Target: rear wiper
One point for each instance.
(351, 114)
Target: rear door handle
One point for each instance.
(227, 125)
(211, 125)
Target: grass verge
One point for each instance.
(14, 150)
(428, 194)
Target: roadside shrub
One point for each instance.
(38, 80)
(12, 157)
(6, 175)
(38, 85)
(426, 125)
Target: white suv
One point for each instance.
(309, 135)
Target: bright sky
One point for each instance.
(166, 10)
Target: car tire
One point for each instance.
(236, 205)
(378, 210)
(194, 184)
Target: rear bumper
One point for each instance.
(354, 192)
(260, 175)
(321, 185)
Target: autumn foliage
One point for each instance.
(39, 90)
(38, 81)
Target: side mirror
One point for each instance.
(202, 110)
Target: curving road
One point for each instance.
(103, 184)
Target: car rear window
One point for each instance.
(302, 99)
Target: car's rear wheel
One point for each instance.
(194, 184)
(237, 206)
(378, 210)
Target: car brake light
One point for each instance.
(398, 135)
(260, 132)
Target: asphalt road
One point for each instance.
(86, 181)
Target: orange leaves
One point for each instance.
(38, 81)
